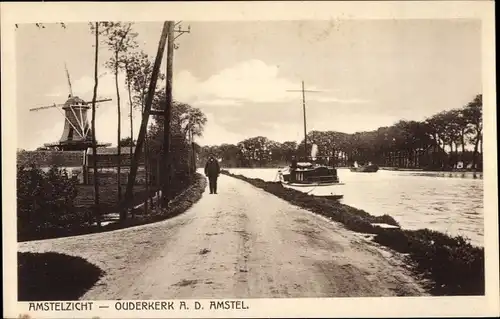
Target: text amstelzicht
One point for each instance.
(61, 306)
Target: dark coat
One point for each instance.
(212, 168)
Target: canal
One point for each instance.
(449, 203)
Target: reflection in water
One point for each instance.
(452, 205)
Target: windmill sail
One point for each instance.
(69, 80)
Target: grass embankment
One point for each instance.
(108, 196)
(52, 276)
(183, 200)
(451, 264)
(186, 194)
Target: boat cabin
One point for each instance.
(309, 173)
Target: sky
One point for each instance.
(370, 73)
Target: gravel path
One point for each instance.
(242, 242)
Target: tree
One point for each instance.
(95, 30)
(130, 67)
(454, 133)
(463, 126)
(289, 148)
(180, 148)
(128, 142)
(192, 124)
(141, 69)
(256, 150)
(229, 153)
(404, 144)
(473, 112)
(192, 119)
(120, 39)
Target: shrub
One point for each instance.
(456, 267)
(45, 200)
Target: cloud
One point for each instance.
(219, 102)
(84, 86)
(215, 132)
(248, 81)
(341, 101)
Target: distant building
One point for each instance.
(107, 162)
(107, 157)
(72, 161)
(80, 163)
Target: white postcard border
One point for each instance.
(236, 11)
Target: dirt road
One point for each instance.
(242, 242)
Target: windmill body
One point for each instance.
(77, 134)
(76, 126)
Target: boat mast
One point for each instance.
(305, 128)
(304, 109)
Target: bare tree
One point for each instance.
(95, 30)
(141, 68)
(120, 39)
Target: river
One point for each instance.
(452, 204)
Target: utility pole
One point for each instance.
(167, 115)
(168, 108)
(304, 111)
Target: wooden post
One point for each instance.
(145, 117)
(168, 113)
(97, 211)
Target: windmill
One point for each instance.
(77, 134)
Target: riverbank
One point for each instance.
(384, 168)
(452, 264)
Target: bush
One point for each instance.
(45, 200)
(453, 264)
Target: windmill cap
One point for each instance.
(74, 100)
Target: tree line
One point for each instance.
(439, 142)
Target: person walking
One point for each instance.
(212, 171)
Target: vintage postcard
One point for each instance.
(281, 159)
